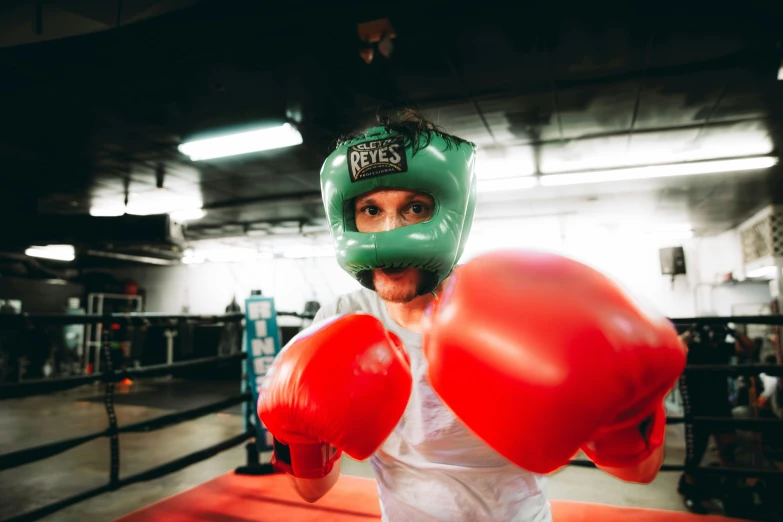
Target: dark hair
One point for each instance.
(412, 126)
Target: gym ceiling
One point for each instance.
(95, 98)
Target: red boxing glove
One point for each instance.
(341, 385)
(628, 443)
(536, 352)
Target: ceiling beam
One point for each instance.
(310, 196)
(758, 58)
(640, 87)
(651, 130)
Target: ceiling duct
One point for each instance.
(96, 232)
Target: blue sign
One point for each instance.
(262, 343)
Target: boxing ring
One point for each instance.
(254, 491)
(234, 498)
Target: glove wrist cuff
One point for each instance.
(305, 460)
(629, 446)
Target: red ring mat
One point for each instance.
(242, 498)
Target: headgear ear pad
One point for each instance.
(439, 166)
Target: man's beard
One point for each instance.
(405, 293)
(397, 293)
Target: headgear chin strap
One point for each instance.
(442, 168)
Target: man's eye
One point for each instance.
(417, 209)
(373, 211)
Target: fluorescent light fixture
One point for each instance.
(764, 271)
(107, 210)
(161, 201)
(189, 257)
(746, 140)
(56, 252)
(506, 184)
(187, 214)
(659, 171)
(242, 143)
(780, 71)
(157, 201)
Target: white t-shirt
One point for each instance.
(770, 385)
(432, 468)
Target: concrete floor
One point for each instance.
(37, 420)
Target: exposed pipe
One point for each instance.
(640, 87)
(467, 90)
(130, 257)
(33, 262)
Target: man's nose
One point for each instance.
(392, 221)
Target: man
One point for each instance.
(706, 394)
(768, 399)
(400, 201)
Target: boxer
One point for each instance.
(464, 386)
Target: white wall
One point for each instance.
(208, 288)
(715, 258)
(629, 254)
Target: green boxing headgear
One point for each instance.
(439, 166)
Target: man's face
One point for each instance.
(386, 209)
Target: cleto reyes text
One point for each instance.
(365, 158)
